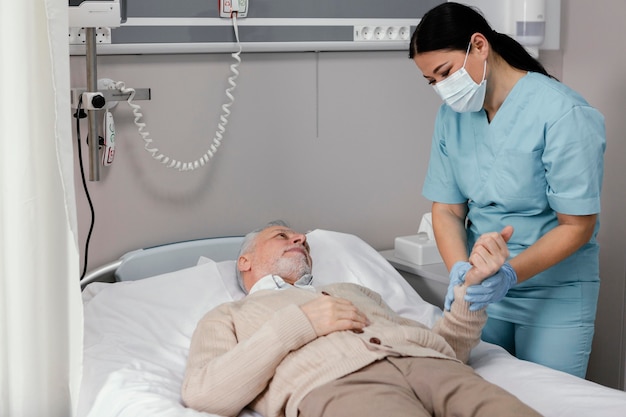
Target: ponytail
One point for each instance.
(514, 54)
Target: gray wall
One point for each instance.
(330, 140)
(327, 140)
(594, 64)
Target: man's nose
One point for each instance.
(299, 238)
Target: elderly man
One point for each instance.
(291, 349)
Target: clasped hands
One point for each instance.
(487, 274)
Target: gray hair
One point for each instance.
(248, 245)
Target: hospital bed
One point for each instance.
(137, 330)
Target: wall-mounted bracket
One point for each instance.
(111, 95)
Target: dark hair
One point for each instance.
(451, 26)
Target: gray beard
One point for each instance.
(291, 268)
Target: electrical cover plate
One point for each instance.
(95, 13)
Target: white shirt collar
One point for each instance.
(274, 282)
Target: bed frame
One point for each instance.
(568, 395)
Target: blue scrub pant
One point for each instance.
(557, 332)
(564, 349)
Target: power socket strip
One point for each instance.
(77, 36)
(381, 33)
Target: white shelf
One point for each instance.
(436, 272)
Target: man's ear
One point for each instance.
(243, 264)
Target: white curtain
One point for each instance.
(40, 307)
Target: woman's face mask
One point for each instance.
(460, 92)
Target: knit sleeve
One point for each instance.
(223, 375)
(460, 327)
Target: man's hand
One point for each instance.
(488, 255)
(329, 314)
(490, 277)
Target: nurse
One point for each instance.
(512, 146)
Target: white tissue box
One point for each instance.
(417, 249)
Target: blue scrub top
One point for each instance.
(541, 154)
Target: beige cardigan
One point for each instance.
(262, 351)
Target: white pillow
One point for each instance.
(137, 333)
(341, 257)
(145, 327)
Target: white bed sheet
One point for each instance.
(137, 336)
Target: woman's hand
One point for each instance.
(491, 290)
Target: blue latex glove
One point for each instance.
(492, 289)
(457, 277)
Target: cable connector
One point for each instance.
(93, 101)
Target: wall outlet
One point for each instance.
(77, 36)
(227, 7)
(382, 33)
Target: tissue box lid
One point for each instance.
(417, 249)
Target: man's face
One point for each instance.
(281, 251)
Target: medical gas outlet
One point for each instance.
(228, 7)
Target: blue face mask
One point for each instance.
(460, 92)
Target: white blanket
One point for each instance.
(137, 336)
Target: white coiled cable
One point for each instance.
(221, 126)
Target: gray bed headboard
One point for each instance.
(147, 262)
(161, 259)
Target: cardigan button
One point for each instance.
(375, 340)
(357, 331)
(325, 293)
